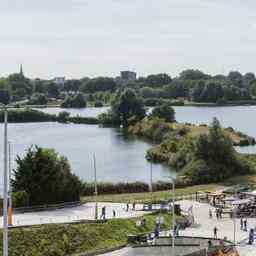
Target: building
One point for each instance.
(59, 80)
(128, 76)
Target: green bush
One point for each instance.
(20, 199)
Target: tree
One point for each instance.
(76, 101)
(53, 90)
(127, 105)
(192, 74)
(98, 84)
(235, 78)
(157, 80)
(46, 177)
(4, 96)
(165, 112)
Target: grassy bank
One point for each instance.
(70, 239)
(155, 196)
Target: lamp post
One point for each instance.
(95, 187)
(173, 212)
(151, 179)
(5, 203)
(10, 187)
(234, 222)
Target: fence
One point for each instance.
(48, 207)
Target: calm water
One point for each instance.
(118, 158)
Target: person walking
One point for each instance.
(103, 213)
(245, 225)
(251, 236)
(241, 224)
(127, 207)
(210, 213)
(133, 206)
(114, 213)
(215, 230)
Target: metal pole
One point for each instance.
(5, 206)
(151, 178)
(173, 215)
(234, 222)
(95, 187)
(10, 187)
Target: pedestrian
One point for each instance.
(217, 213)
(241, 224)
(251, 236)
(114, 213)
(103, 213)
(209, 243)
(245, 225)
(220, 213)
(215, 230)
(133, 206)
(210, 213)
(127, 207)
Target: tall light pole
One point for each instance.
(173, 212)
(151, 179)
(95, 187)
(10, 186)
(5, 205)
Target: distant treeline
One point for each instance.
(28, 115)
(130, 187)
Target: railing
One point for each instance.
(48, 207)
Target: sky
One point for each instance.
(78, 38)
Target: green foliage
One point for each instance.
(38, 99)
(164, 112)
(70, 239)
(98, 84)
(20, 199)
(76, 101)
(4, 96)
(63, 116)
(125, 105)
(46, 177)
(98, 104)
(27, 115)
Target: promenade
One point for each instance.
(74, 214)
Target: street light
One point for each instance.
(173, 212)
(10, 187)
(5, 204)
(95, 187)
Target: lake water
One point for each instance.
(118, 157)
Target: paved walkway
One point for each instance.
(78, 213)
(204, 228)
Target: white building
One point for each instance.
(59, 80)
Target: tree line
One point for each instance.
(192, 85)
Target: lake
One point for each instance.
(118, 157)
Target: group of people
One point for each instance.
(133, 206)
(218, 213)
(243, 224)
(103, 210)
(103, 213)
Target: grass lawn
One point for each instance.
(72, 239)
(143, 197)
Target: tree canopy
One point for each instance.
(165, 112)
(46, 177)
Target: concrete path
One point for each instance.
(83, 212)
(204, 228)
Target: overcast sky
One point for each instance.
(76, 38)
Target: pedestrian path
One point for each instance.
(74, 214)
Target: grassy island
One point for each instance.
(200, 153)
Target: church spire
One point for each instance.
(21, 70)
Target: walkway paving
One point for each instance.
(78, 213)
(204, 228)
